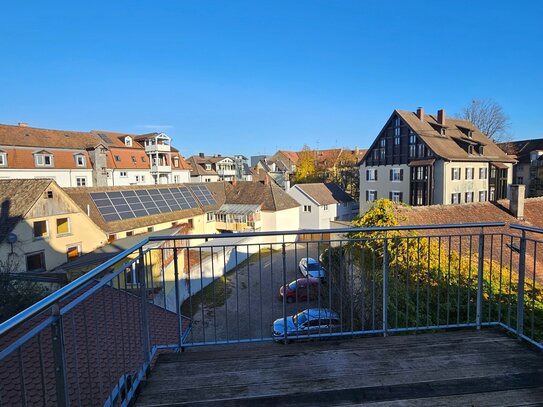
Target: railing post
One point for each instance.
(284, 254)
(142, 273)
(480, 276)
(177, 299)
(521, 279)
(385, 285)
(59, 358)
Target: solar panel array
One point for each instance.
(202, 194)
(119, 205)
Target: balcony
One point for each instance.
(473, 289)
(160, 168)
(157, 148)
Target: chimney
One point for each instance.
(267, 180)
(516, 204)
(201, 155)
(441, 117)
(420, 113)
(22, 124)
(356, 150)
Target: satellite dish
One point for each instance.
(11, 238)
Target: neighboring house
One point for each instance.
(529, 167)
(243, 171)
(85, 159)
(202, 169)
(276, 170)
(423, 159)
(63, 156)
(41, 227)
(322, 203)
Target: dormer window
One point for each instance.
(134, 159)
(208, 167)
(3, 159)
(43, 159)
(128, 141)
(176, 162)
(80, 160)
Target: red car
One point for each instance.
(301, 289)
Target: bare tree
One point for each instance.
(489, 117)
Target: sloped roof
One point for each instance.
(115, 139)
(268, 195)
(291, 155)
(36, 137)
(23, 158)
(197, 165)
(17, 196)
(324, 194)
(446, 146)
(128, 158)
(522, 148)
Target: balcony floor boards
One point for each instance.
(483, 368)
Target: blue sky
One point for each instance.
(252, 77)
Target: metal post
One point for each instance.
(385, 285)
(521, 278)
(59, 357)
(144, 317)
(284, 254)
(480, 276)
(177, 299)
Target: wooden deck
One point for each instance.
(480, 368)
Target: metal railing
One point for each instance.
(93, 341)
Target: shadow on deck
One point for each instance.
(480, 368)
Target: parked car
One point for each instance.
(301, 289)
(310, 267)
(311, 321)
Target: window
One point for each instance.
(492, 194)
(176, 162)
(208, 167)
(207, 179)
(325, 207)
(81, 181)
(44, 160)
(73, 252)
(482, 196)
(376, 153)
(130, 233)
(143, 159)
(412, 138)
(396, 174)
(134, 159)
(176, 179)
(137, 178)
(455, 198)
(307, 208)
(520, 180)
(455, 173)
(469, 197)
(469, 173)
(123, 174)
(35, 262)
(111, 237)
(483, 173)
(396, 196)
(150, 229)
(421, 150)
(371, 174)
(142, 177)
(128, 141)
(80, 160)
(412, 150)
(382, 154)
(3, 159)
(371, 195)
(40, 229)
(421, 174)
(63, 226)
(49, 194)
(117, 158)
(210, 216)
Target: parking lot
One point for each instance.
(244, 304)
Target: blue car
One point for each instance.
(311, 321)
(310, 267)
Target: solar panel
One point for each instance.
(118, 205)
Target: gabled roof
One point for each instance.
(267, 194)
(197, 165)
(44, 138)
(129, 158)
(447, 145)
(115, 139)
(17, 197)
(23, 158)
(324, 193)
(522, 148)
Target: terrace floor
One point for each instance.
(481, 368)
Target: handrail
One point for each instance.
(58, 295)
(325, 231)
(526, 228)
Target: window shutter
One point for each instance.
(401, 196)
(367, 175)
(452, 174)
(390, 196)
(367, 195)
(401, 175)
(390, 175)
(376, 175)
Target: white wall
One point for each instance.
(116, 180)
(202, 178)
(63, 177)
(184, 176)
(383, 185)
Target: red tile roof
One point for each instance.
(23, 158)
(127, 158)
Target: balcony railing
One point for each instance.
(94, 340)
(161, 168)
(161, 148)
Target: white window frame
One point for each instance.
(396, 174)
(372, 195)
(456, 173)
(458, 195)
(483, 173)
(123, 174)
(78, 181)
(210, 216)
(80, 160)
(42, 255)
(470, 173)
(396, 196)
(307, 208)
(3, 159)
(176, 179)
(47, 233)
(128, 141)
(484, 193)
(39, 160)
(372, 174)
(471, 195)
(325, 207)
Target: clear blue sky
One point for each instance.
(252, 77)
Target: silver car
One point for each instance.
(308, 322)
(310, 267)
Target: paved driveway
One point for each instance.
(252, 300)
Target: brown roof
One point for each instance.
(522, 148)
(183, 164)
(127, 158)
(448, 146)
(17, 196)
(36, 137)
(102, 338)
(82, 197)
(19, 158)
(267, 194)
(197, 165)
(325, 194)
(115, 139)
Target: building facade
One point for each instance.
(529, 167)
(422, 159)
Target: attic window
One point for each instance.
(128, 141)
(143, 159)
(43, 160)
(80, 160)
(134, 159)
(117, 158)
(49, 194)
